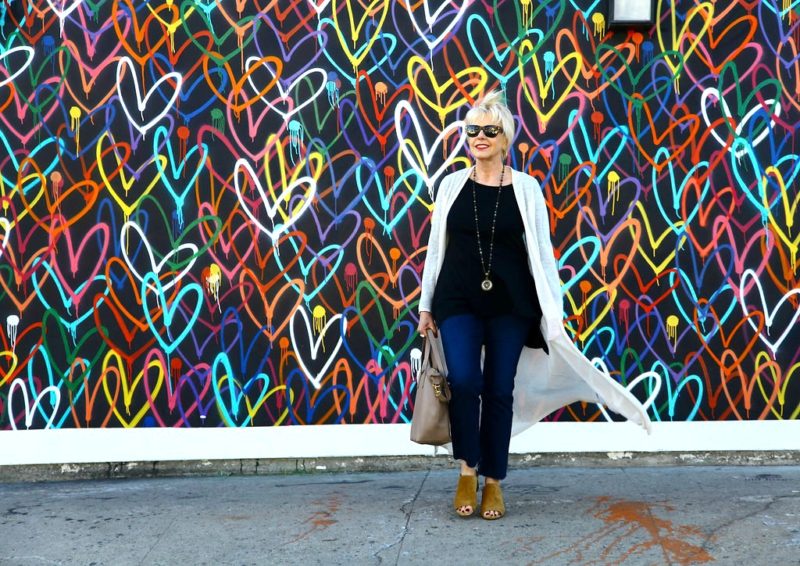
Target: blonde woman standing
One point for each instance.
(490, 285)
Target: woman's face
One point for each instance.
(484, 147)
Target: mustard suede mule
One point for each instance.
(466, 495)
(492, 504)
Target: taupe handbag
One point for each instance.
(430, 422)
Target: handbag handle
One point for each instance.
(433, 352)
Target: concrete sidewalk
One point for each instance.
(625, 515)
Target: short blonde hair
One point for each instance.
(493, 104)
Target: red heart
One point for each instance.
(368, 106)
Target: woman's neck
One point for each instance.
(489, 173)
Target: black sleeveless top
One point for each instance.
(458, 288)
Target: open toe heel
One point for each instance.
(466, 495)
(492, 505)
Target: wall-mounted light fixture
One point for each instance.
(631, 13)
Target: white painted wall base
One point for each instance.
(325, 441)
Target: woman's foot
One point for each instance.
(492, 504)
(466, 499)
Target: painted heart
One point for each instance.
(280, 306)
(437, 16)
(231, 392)
(769, 314)
(31, 407)
(274, 201)
(417, 152)
(172, 85)
(303, 341)
(191, 294)
(375, 12)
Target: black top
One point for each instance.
(458, 288)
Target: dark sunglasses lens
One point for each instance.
(489, 131)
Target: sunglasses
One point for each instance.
(489, 131)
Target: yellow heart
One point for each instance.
(471, 74)
(782, 392)
(610, 294)
(357, 54)
(543, 86)
(21, 211)
(790, 211)
(12, 366)
(128, 387)
(126, 206)
(705, 11)
(655, 242)
(314, 160)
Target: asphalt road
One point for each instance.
(740, 515)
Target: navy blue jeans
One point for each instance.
(482, 399)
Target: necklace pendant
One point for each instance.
(486, 284)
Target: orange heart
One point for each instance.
(675, 126)
(726, 338)
(288, 298)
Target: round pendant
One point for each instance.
(486, 285)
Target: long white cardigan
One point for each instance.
(543, 382)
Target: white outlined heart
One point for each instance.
(62, 12)
(726, 112)
(141, 103)
(285, 93)
(427, 153)
(14, 74)
(272, 209)
(315, 345)
(154, 267)
(431, 18)
(769, 316)
(30, 409)
(319, 6)
(601, 365)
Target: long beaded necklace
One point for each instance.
(486, 284)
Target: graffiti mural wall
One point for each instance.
(214, 214)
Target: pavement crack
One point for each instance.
(408, 509)
(156, 541)
(713, 533)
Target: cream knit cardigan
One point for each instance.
(543, 383)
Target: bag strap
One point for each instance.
(434, 352)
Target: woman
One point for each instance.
(491, 286)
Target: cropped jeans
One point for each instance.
(481, 405)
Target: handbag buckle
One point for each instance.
(437, 390)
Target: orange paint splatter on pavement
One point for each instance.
(673, 539)
(630, 534)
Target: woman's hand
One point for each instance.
(426, 323)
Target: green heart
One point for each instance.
(386, 352)
(94, 8)
(230, 51)
(743, 105)
(321, 121)
(48, 61)
(661, 408)
(635, 78)
(7, 273)
(71, 353)
(522, 30)
(186, 235)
